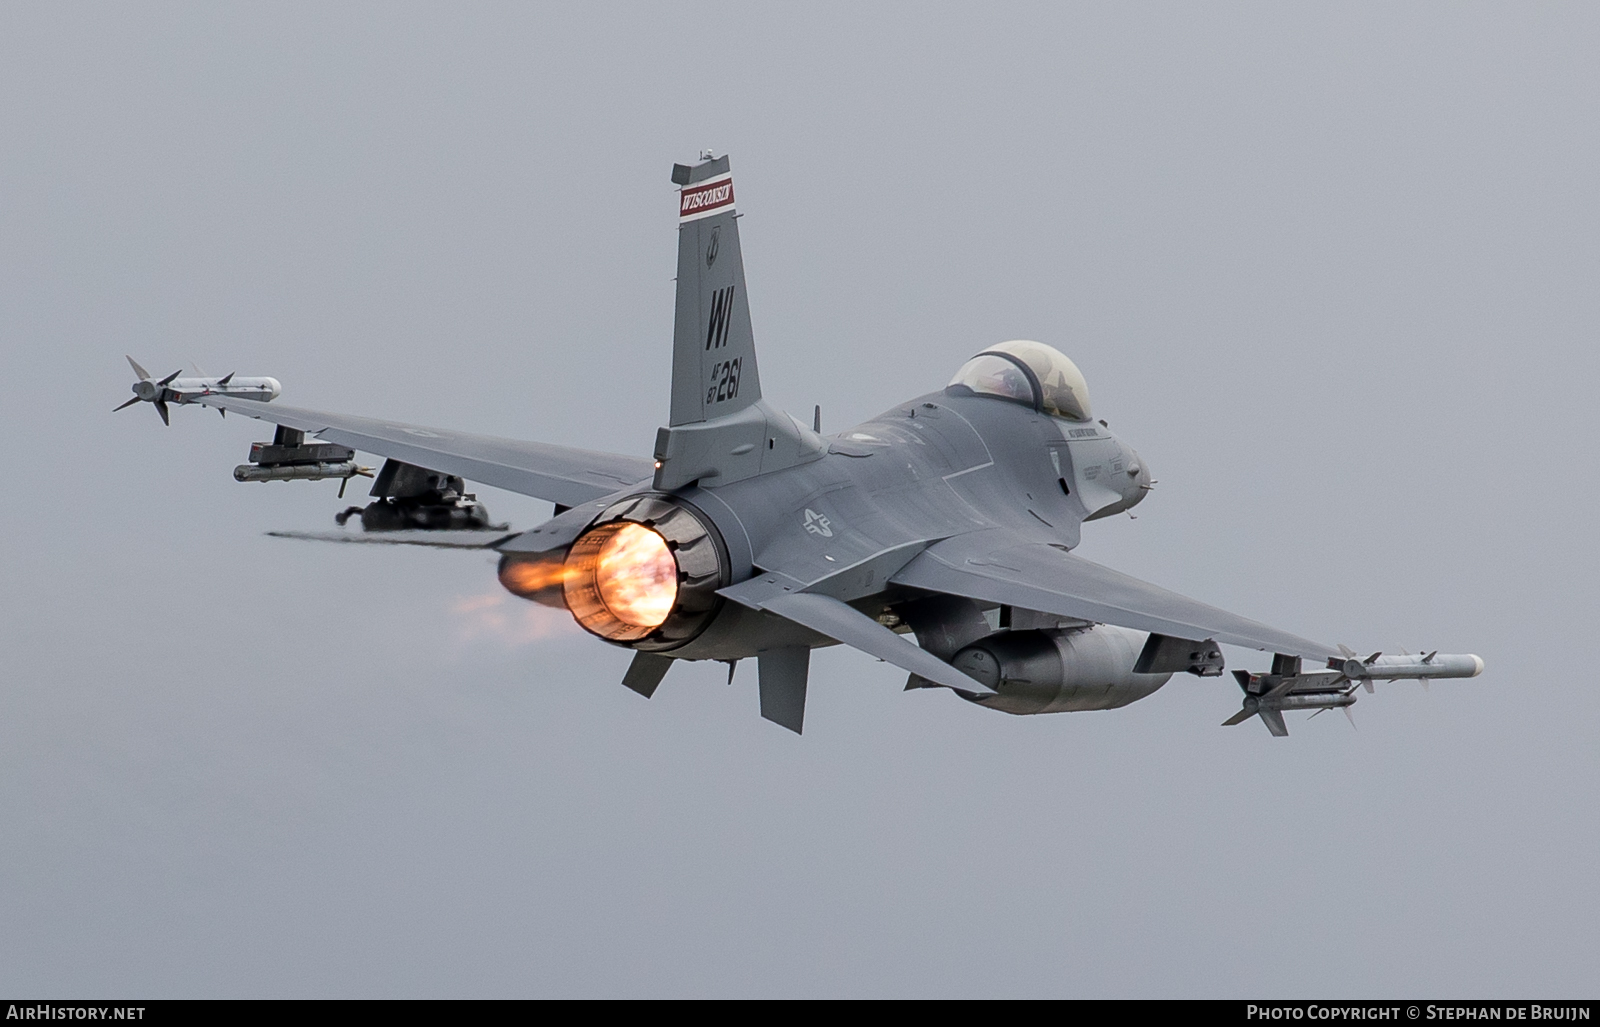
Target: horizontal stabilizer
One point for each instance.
(559, 531)
(435, 539)
(843, 623)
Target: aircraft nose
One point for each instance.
(1139, 480)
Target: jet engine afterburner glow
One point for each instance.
(636, 576)
(540, 577)
(645, 574)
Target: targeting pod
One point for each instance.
(298, 472)
(289, 457)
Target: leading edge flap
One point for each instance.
(713, 347)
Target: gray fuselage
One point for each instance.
(937, 466)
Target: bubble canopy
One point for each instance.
(1031, 373)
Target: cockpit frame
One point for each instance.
(1064, 396)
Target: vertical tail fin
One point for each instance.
(720, 430)
(713, 348)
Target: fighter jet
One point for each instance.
(949, 519)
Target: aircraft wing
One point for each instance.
(1000, 566)
(569, 477)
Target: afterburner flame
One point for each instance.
(527, 579)
(644, 574)
(636, 576)
(541, 577)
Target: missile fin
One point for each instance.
(1281, 687)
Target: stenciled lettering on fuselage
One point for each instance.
(721, 314)
(724, 380)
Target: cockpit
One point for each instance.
(1029, 373)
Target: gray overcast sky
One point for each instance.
(1332, 269)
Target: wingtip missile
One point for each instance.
(1379, 667)
(176, 389)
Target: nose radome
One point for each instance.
(1138, 480)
